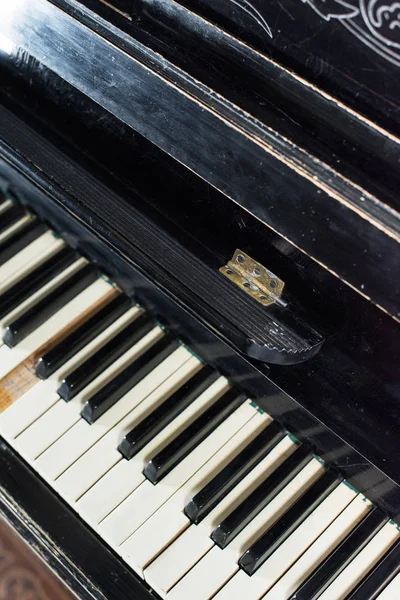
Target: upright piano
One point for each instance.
(200, 295)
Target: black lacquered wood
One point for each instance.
(147, 429)
(20, 239)
(237, 520)
(214, 491)
(43, 310)
(338, 560)
(161, 464)
(35, 280)
(79, 338)
(266, 545)
(103, 358)
(10, 216)
(379, 577)
(105, 398)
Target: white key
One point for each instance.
(61, 417)
(361, 564)
(101, 457)
(391, 591)
(28, 259)
(208, 575)
(82, 436)
(127, 475)
(15, 227)
(291, 549)
(42, 396)
(319, 550)
(147, 498)
(170, 521)
(27, 409)
(41, 293)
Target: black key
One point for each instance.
(48, 306)
(18, 240)
(260, 497)
(105, 398)
(3, 199)
(11, 216)
(379, 577)
(193, 435)
(212, 493)
(104, 357)
(147, 429)
(58, 356)
(35, 280)
(266, 545)
(337, 561)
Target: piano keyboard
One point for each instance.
(200, 492)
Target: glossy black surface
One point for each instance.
(139, 368)
(214, 491)
(35, 280)
(151, 425)
(264, 88)
(174, 452)
(237, 520)
(194, 207)
(212, 119)
(20, 238)
(104, 357)
(10, 216)
(341, 556)
(230, 138)
(262, 549)
(344, 402)
(379, 577)
(84, 334)
(48, 306)
(316, 39)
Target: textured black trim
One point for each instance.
(268, 334)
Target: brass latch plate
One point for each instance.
(253, 278)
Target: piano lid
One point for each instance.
(313, 170)
(349, 48)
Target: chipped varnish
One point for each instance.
(21, 379)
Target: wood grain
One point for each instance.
(23, 377)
